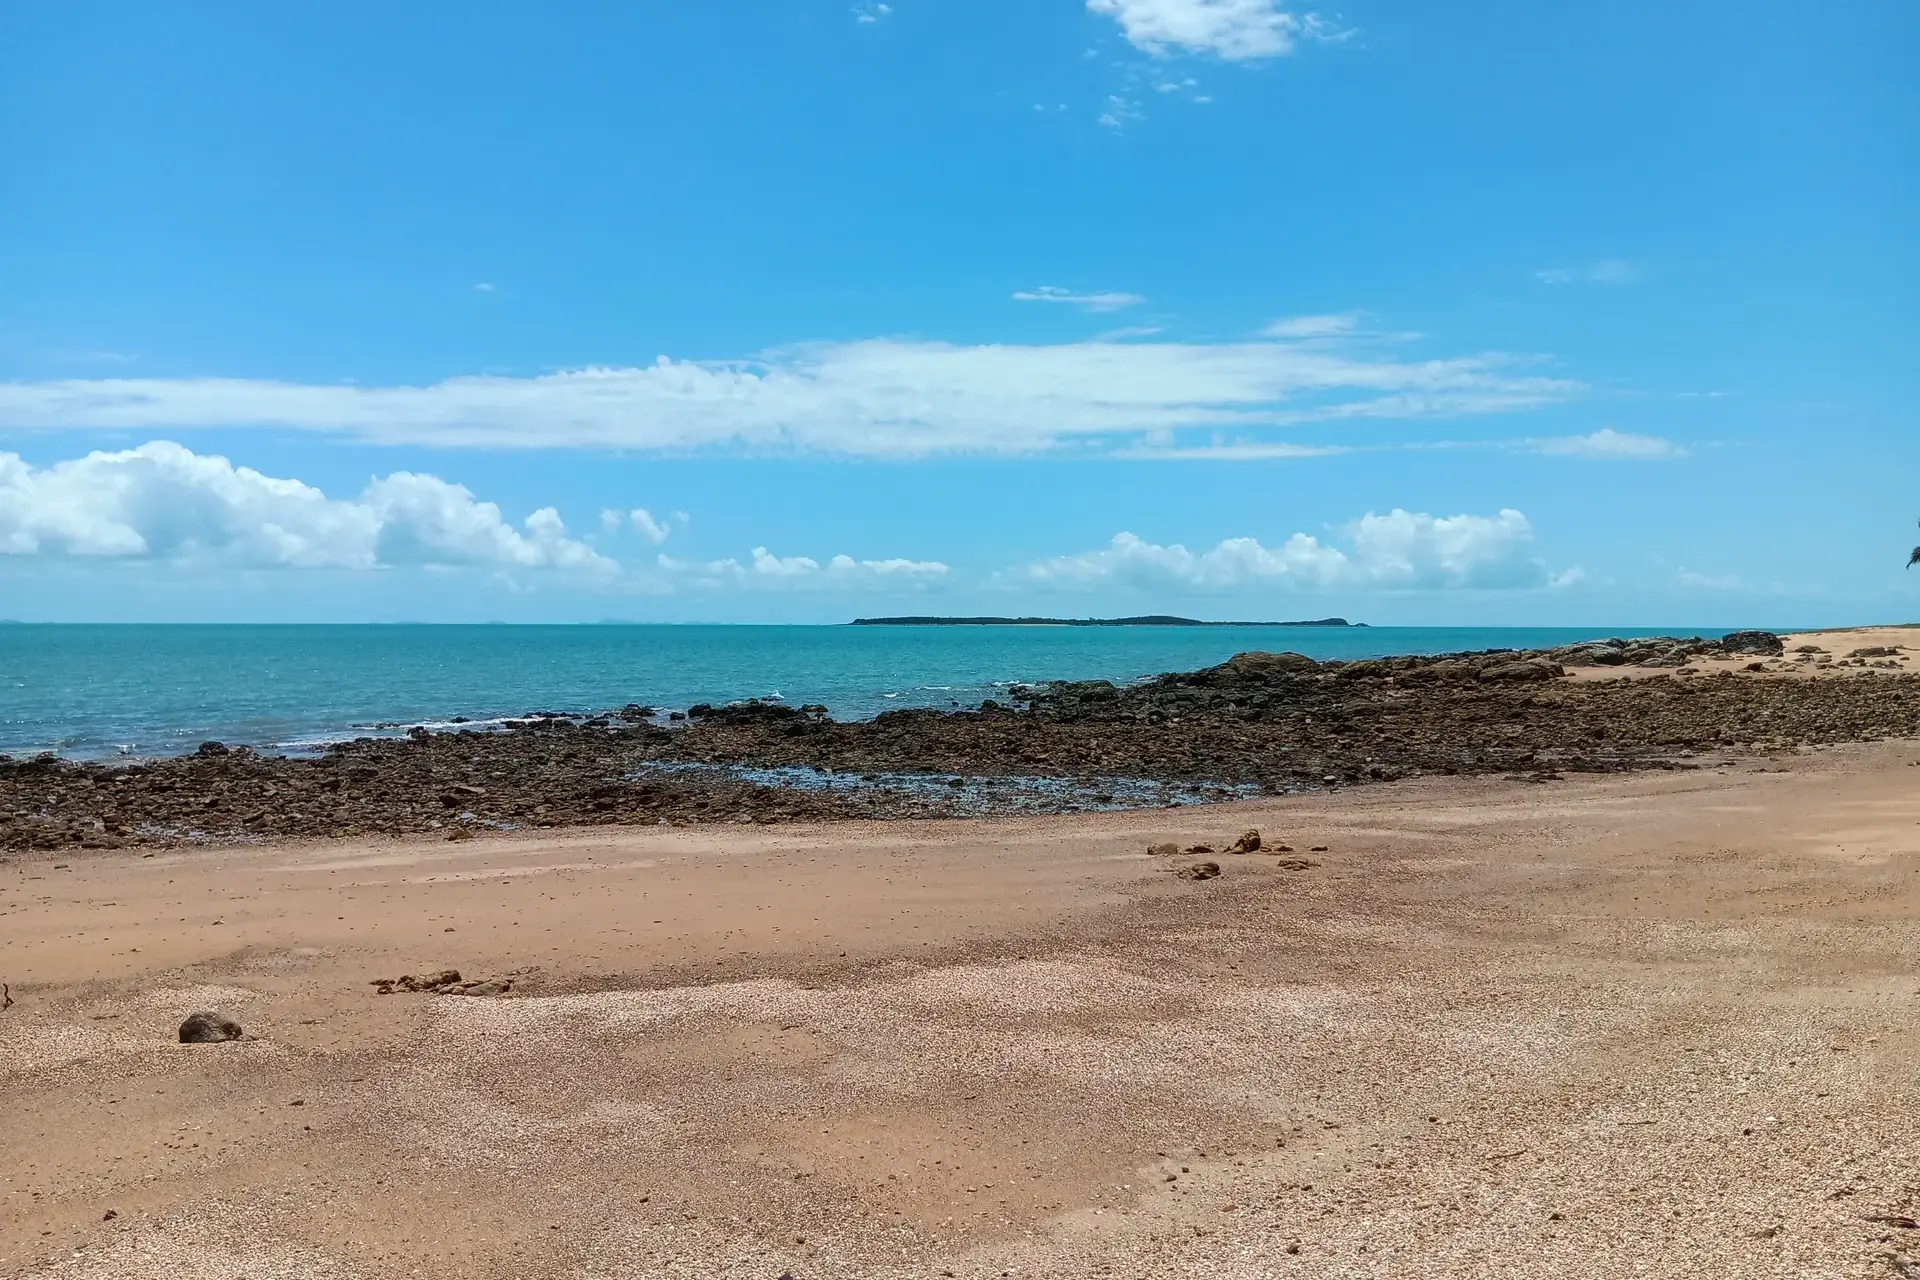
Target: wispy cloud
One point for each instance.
(1249, 452)
(1610, 271)
(1399, 550)
(871, 13)
(875, 398)
(1608, 443)
(1109, 301)
(1328, 326)
(483, 287)
(1232, 30)
(1710, 581)
(1120, 111)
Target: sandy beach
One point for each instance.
(1646, 1024)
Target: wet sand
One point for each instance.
(1625, 1025)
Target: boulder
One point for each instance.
(1249, 842)
(1256, 665)
(1764, 643)
(209, 1027)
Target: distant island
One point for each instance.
(1147, 620)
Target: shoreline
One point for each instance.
(1260, 723)
(107, 695)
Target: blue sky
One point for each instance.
(1504, 313)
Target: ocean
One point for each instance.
(94, 692)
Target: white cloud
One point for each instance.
(1609, 271)
(162, 501)
(1085, 301)
(1234, 30)
(871, 13)
(483, 287)
(654, 531)
(1329, 326)
(874, 398)
(1709, 581)
(1120, 112)
(765, 569)
(1608, 443)
(1399, 550)
(1233, 452)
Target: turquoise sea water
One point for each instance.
(98, 691)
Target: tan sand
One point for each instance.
(1656, 1025)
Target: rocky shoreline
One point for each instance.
(1259, 723)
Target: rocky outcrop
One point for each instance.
(1272, 722)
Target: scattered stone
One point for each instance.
(1198, 871)
(209, 1027)
(1163, 850)
(1875, 651)
(1295, 864)
(459, 833)
(1199, 848)
(1318, 848)
(447, 982)
(1249, 842)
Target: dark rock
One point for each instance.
(1757, 642)
(210, 749)
(1249, 842)
(208, 1027)
(1528, 669)
(1198, 871)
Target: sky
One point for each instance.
(797, 310)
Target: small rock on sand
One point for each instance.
(1295, 864)
(447, 982)
(1249, 842)
(1164, 850)
(209, 1027)
(1198, 871)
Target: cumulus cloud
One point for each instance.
(1085, 301)
(875, 398)
(1608, 443)
(765, 569)
(162, 501)
(1233, 30)
(1399, 550)
(654, 531)
(1608, 271)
